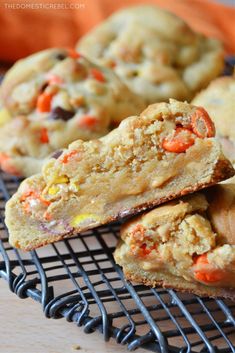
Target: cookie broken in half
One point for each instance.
(166, 152)
(187, 244)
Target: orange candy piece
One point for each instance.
(44, 102)
(27, 194)
(44, 138)
(139, 239)
(67, 156)
(30, 195)
(202, 125)
(204, 274)
(97, 75)
(144, 251)
(179, 141)
(25, 199)
(44, 201)
(201, 260)
(47, 216)
(182, 138)
(73, 53)
(6, 164)
(87, 121)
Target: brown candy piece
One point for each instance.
(62, 114)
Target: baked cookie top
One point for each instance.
(156, 53)
(167, 151)
(55, 97)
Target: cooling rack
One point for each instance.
(77, 279)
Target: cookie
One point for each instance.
(53, 98)
(187, 244)
(167, 151)
(219, 100)
(154, 52)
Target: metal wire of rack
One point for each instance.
(77, 279)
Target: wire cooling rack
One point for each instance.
(77, 279)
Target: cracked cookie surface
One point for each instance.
(154, 52)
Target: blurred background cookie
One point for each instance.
(154, 52)
(219, 100)
(53, 98)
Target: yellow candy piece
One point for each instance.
(5, 116)
(61, 180)
(53, 190)
(76, 221)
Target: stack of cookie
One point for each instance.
(153, 159)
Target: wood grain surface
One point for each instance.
(24, 329)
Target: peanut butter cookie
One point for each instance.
(154, 52)
(187, 244)
(53, 98)
(219, 100)
(167, 151)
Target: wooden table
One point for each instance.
(24, 329)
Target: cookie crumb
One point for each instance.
(76, 347)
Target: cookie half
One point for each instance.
(187, 244)
(167, 151)
(154, 52)
(53, 98)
